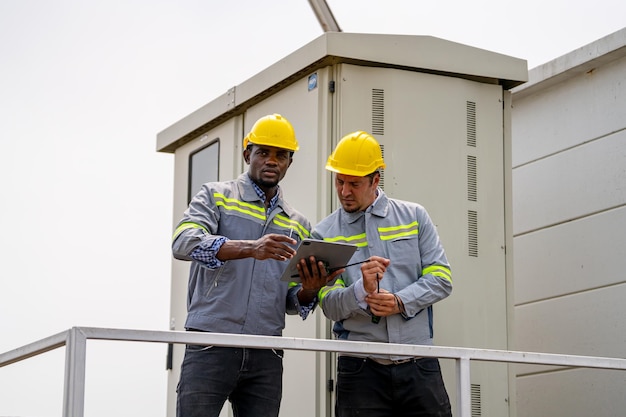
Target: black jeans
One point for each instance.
(250, 378)
(368, 389)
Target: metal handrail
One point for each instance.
(75, 341)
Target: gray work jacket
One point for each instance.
(244, 296)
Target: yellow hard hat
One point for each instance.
(357, 154)
(272, 130)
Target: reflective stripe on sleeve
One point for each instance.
(188, 225)
(339, 283)
(438, 271)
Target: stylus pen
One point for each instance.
(335, 268)
(376, 319)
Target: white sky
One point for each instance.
(86, 201)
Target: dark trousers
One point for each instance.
(412, 389)
(250, 378)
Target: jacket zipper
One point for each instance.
(215, 281)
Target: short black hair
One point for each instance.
(372, 175)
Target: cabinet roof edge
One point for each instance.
(409, 52)
(583, 60)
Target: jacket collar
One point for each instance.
(248, 194)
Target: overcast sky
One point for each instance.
(86, 213)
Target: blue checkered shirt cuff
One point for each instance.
(304, 311)
(206, 252)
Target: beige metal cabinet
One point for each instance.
(440, 111)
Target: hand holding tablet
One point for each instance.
(335, 255)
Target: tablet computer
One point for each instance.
(333, 254)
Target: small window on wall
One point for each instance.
(203, 167)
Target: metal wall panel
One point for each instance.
(572, 393)
(586, 107)
(548, 268)
(569, 204)
(589, 323)
(577, 182)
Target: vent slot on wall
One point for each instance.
(471, 123)
(477, 408)
(472, 232)
(378, 111)
(381, 184)
(472, 179)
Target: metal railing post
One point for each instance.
(463, 387)
(74, 388)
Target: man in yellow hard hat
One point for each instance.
(387, 299)
(237, 235)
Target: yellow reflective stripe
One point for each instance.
(292, 225)
(393, 232)
(359, 240)
(339, 283)
(188, 225)
(220, 196)
(438, 271)
(240, 206)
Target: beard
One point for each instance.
(266, 184)
(350, 208)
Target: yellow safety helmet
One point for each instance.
(357, 154)
(272, 130)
